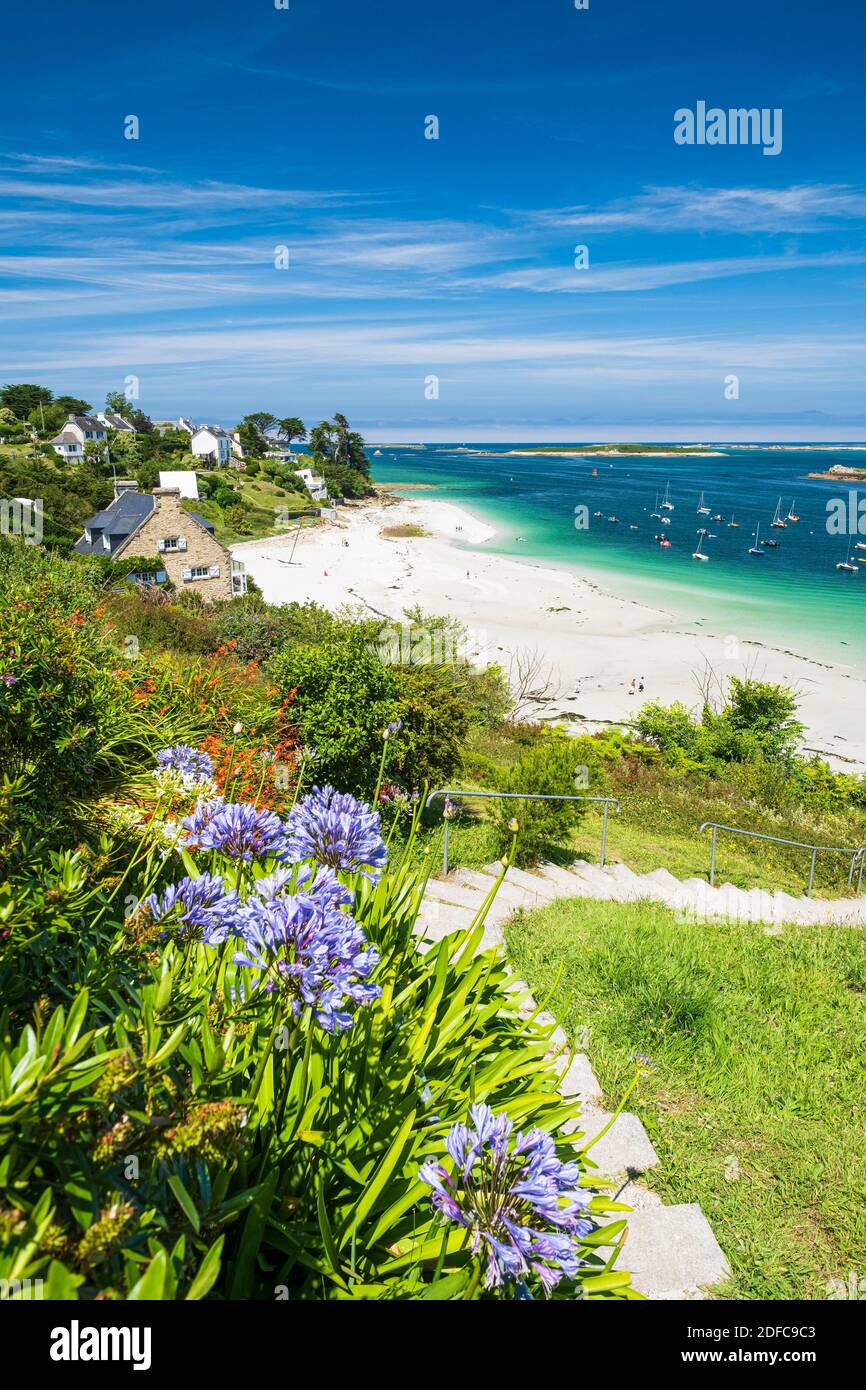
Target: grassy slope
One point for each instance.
(658, 825)
(264, 503)
(758, 1039)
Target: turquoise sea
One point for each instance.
(791, 596)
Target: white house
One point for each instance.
(78, 431)
(211, 442)
(184, 480)
(237, 447)
(315, 485)
(184, 424)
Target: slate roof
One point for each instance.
(87, 422)
(124, 516)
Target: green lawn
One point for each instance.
(756, 1103)
(264, 505)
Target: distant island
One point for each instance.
(842, 472)
(620, 451)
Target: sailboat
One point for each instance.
(703, 510)
(699, 554)
(847, 567)
(667, 504)
(777, 521)
(792, 515)
(655, 516)
(734, 525)
(756, 549)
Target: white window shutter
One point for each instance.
(160, 545)
(214, 571)
(187, 574)
(181, 544)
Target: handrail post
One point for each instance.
(812, 872)
(713, 857)
(603, 835)
(445, 848)
(860, 875)
(854, 857)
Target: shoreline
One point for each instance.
(584, 642)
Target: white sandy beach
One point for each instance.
(590, 642)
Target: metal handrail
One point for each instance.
(449, 792)
(856, 854)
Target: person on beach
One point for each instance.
(640, 685)
(631, 687)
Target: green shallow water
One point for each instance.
(791, 597)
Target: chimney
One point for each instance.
(124, 485)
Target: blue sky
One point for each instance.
(453, 258)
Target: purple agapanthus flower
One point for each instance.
(520, 1201)
(306, 948)
(337, 830)
(199, 906)
(9, 680)
(193, 765)
(238, 830)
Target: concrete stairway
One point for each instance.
(670, 1251)
(451, 902)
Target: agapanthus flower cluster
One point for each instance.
(200, 907)
(239, 830)
(337, 830)
(305, 947)
(521, 1203)
(192, 765)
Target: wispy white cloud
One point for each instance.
(626, 277)
(798, 208)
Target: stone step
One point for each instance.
(670, 1252)
(482, 883)
(599, 882)
(532, 884)
(448, 890)
(562, 879)
(626, 1148)
(579, 1079)
(664, 878)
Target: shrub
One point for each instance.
(550, 768)
(344, 697)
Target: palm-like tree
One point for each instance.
(291, 428)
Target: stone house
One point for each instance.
(155, 524)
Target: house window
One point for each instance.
(170, 543)
(200, 572)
